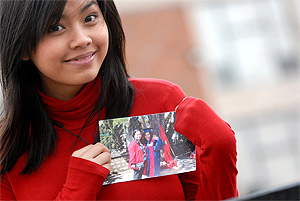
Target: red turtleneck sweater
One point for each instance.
(63, 177)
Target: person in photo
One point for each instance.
(154, 145)
(137, 155)
(63, 69)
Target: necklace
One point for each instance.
(96, 138)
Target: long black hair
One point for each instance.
(24, 122)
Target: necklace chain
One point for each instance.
(78, 136)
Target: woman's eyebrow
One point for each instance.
(88, 5)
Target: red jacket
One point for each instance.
(64, 177)
(136, 154)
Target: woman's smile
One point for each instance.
(83, 59)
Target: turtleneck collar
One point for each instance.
(73, 113)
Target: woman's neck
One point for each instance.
(60, 92)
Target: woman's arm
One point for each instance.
(132, 155)
(88, 168)
(159, 145)
(215, 151)
(84, 180)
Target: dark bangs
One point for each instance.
(44, 14)
(23, 24)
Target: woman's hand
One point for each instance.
(133, 166)
(97, 153)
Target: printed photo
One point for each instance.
(146, 146)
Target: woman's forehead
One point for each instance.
(74, 7)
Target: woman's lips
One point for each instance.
(82, 59)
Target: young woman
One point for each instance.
(154, 145)
(63, 69)
(137, 155)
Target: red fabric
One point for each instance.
(167, 151)
(64, 177)
(136, 154)
(151, 153)
(216, 148)
(73, 188)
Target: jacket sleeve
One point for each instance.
(216, 154)
(132, 154)
(84, 180)
(159, 145)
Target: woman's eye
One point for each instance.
(56, 28)
(90, 18)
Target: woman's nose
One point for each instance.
(79, 38)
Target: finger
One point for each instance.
(107, 166)
(105, 149)
(94, 151)
(102, 158)
(81, 151)
(179, 103)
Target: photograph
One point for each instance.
(145, 146)
(149, 100)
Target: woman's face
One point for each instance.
(138, 135)
(71, 53)
(147, 136)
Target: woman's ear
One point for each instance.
(25, 57)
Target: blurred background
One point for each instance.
(242, 58)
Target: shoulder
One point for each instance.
(151, 82)
(132, 143)
(155, 95)
(154, 86)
